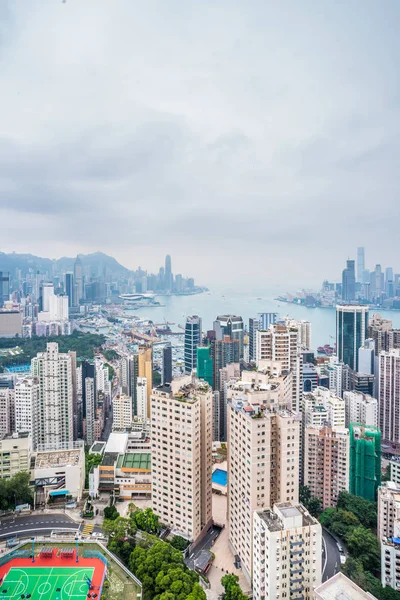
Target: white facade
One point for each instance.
(287, 548)
(15, 455)
(263, 466)
(58, 308)
(68, 466)
(388, 509)
(181, 455)
(141, 398)
(361, 408)
(26, 406)
(90, 410)
(395, 471)
(283, 344)
(122, 413)
(55, 412)
(340, 587)
(5, 411)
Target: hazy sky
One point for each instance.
(253, 141)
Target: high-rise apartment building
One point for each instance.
(122, 413)
(55, 414)
(388, 509)
(304, 328)
(224, 352)
(360, 264)
(351, 332)
(89, 396)
(267, 319)
(339, 376)
(349, 282)
(381, 331)
(89, 385)
(26, 406)
(181, 456)
(287, 550)
(340, 587)
(389, 395)
(192, 340)
(263, 466)
(142, 399)
(361, 408)
(167, 364)
(326, 462)
(145, 369)
(254, 326)
(365, 460)
(204, 368)
(366, 357)
(6, 402)
(232, 326)
(282, 343)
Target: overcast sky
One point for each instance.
(253, 141)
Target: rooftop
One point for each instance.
(285, 510)
(137, 461)
(58, 458)
(117, 442)
(340, 587)
(109, 459)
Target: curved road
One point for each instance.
(330, 556)
(39, 524)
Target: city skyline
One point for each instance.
(206, 130)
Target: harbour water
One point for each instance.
(246, 304)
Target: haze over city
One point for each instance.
(265, 134)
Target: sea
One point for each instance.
(209, 304)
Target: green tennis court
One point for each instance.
(46, 583)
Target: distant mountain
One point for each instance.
(98, 263)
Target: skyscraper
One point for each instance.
(204, 369)
(349, 282)
(192, 340)
(224, 352)
(145, 369)
(360, 264)
(78, 277)
(69, 288)
(89, 393)
(167, 364)
(184, 473)
(168, 273)
(351, 332)
(4, 287)
(231, 325)
(267, 319)
(55, 414)
(254, 326)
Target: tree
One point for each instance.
(233, 591)
(91, 460)
(312, 504)
(111, 513)
(363, 544)
(15, 491)
(364, 510)
(179, 542)
(147, 520)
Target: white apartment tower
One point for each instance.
(263, 465)
(27, 393)
(388, 509)
(122, 413)
(5, 411)
(282, 343)
(389, 395)
(361, 408)
(90, 410)
(181, 455)
(55, 412)
(141, 395)
(286, 553)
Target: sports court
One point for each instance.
(53, 579)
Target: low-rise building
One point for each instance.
(15, 454)
(340, 587)
(287, 547)
(59, 473)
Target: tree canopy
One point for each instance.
(15, 491)
(146, 520)
(233, 591)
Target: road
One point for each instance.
(205, 544)
(330, 556)
(30, 525)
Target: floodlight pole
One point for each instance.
(33, 549)
(77, 557)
